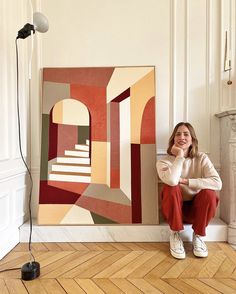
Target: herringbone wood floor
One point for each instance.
(120, 268)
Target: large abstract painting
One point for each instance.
(98, 149)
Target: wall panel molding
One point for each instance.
(4, 128)
(19, 204)
(186, 63)
(190, 74)
(228, 22)
(4, 210)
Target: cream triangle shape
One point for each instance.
(77, 215)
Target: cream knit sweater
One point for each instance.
(198, 170)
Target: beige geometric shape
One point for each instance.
(57, 113)
(99, 162)
(70, 112)
(53, 93)
(125, 148)
(149, 194)
(140, 93)
(123, 78)
(75, 113)
(77, 215)
(52, 213)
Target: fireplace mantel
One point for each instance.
(228, 171)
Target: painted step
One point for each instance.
(73, 160)
(69, 177)
(81, 147)
(87, 142)
(73, 168)
(77, 153)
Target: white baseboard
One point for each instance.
(216, 231)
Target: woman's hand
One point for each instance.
(177, 151)
(183, 181)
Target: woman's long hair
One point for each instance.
(193, 149)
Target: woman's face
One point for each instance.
(183, 138)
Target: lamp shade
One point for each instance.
(40, 22)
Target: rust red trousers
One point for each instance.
(198, 211)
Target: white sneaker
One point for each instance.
(176, 245)
(199, 247)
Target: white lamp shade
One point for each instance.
(40, 22)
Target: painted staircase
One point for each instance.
(74, 166)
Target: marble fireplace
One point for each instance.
(228, 171)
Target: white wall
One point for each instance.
(13, 180)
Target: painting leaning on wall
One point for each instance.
(98, 148)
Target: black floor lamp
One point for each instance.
(30, 270)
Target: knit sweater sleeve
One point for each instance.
(210, 178)
(170, 171)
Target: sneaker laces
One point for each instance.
(198, 243)
(176, 242)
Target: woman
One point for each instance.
(188, 195)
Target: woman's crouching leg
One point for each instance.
(204, 209)
(172, 202)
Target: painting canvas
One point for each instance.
(98, 148)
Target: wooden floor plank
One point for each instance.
(161, 268)
(229, 282)
(34, 287)
(144, 286)
(217, 285)
(65, 246)
(120, 246)
(176, 270)
(3, 287)
(52, 246)
(106, 246)
(38, 247)
(126, 286)
(13, 274)
(116, 266)
(182, 286)
(233, 276)
(18, 261)
(99, 266)
(133, 265)
(203, 288)
(229, 251)
(149, 265)
(12, 256)
(195, 267)
(98, 257)
(61, 259)
(213, 265)
(21, 247)
(146, 246)
(68, 263)
(79, 246)
(15, 286)
(226, 269)
(92, 246)
(107, 286)
(89, 286)
(163, 286)
(52, 286)
(70, 286)
(133, 246)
